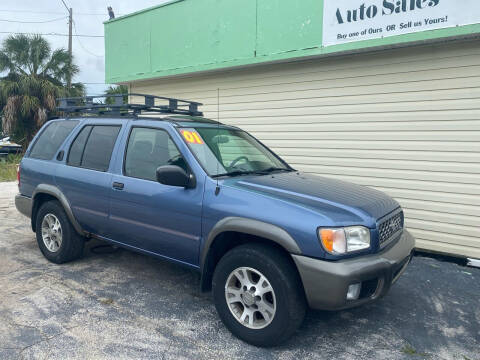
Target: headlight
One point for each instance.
(345, 240)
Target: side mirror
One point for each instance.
(173, 175)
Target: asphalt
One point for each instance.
(125, 305)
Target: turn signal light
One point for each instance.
(344, 240)
(327, 239)
(333, 240)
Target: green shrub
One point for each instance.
(8, 167)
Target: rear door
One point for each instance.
(147, 215)
(85, 180)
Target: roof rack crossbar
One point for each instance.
(118, 103)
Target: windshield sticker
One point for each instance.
(192, 137)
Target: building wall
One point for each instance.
(186, 36)
(405, 121)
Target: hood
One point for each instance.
(320, 193)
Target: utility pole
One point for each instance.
(70, 24)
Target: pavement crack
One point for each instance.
(47, 338)
(167, 350)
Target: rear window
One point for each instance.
(51, 138)
(93, 147)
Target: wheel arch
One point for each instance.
(233, 231)
(46, 192)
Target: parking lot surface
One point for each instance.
(125, 305)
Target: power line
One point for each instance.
(81, 44)
(51, 34)
(68, 9)
(33, 22)
(54, 12)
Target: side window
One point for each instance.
(76, 151)
(148, 149)
(99, 148)
(51, 138)
(92, 148)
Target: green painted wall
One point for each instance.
(187, 36)
(288, 25)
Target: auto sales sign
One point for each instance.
(355, 20)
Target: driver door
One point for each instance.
(144, 214)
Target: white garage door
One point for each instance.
(403, 121)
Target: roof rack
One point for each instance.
(121, 107)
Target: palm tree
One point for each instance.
(36, 76)
(27, 102)
(116, 90)
(24, 55)
(77, 90)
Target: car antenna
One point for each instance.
(217, 189)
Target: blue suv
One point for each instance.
(267, 240)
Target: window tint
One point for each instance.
(93, 147)
(76, 151)
(99, 147)
(51, 138)
(148, 149)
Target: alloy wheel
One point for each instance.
(250, 298)
(51, 232)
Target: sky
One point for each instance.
(51, 16)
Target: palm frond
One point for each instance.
(29, 106)
(9, 114)
(39, 51)
(16, 47)
(115, 90)
(60, 66)
(5, 63)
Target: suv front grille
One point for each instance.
(390, 227)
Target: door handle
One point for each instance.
(118, 185)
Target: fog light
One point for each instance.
(354, 291)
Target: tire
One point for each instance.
(65, 244)
(288, 296)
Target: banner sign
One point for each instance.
(355, 20)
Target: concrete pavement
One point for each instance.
(125, 305)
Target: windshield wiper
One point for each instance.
(235, 173)
(271, 169)
(250, 172)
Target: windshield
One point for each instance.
(228, 152)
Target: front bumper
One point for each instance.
(23, 205)
(326, 282)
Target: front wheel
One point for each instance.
(258, 294)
